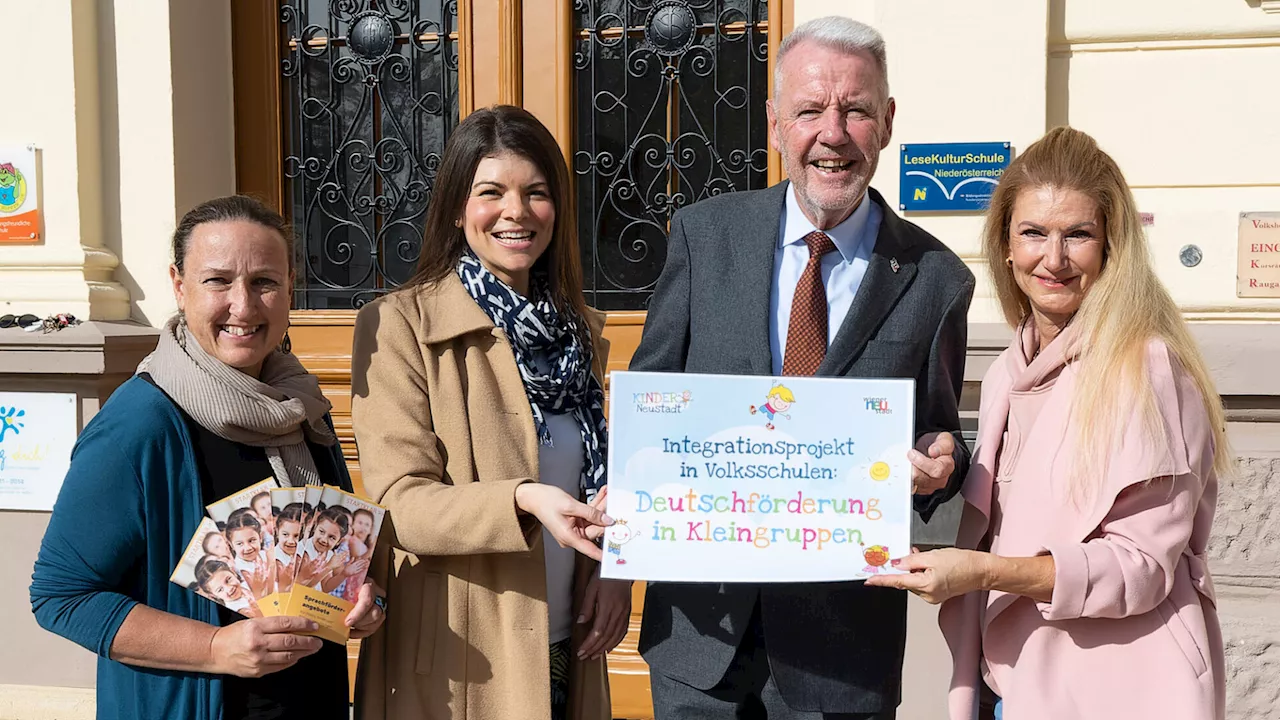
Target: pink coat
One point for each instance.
(1132, 630)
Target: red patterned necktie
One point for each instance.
(807, 331)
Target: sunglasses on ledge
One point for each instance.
(22, 321)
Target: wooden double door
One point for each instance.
(343, 109)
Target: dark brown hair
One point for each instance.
(223, 209)
(240, 522)
(293, 512)
(207, 569)
(336, 515)
(485, 133)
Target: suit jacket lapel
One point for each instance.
(889, 273)
(753, 253)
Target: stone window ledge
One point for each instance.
(91, 348)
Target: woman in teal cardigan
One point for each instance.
(217, 407)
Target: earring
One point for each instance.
(1008, 261)
(457, 223)
(286, 345)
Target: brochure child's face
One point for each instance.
(262, 509)
(216, 544)
(362, 526)
(224, 585)
(246, 542)
(289, 532)
(327, 536)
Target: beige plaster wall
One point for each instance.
(55, 106)
(132, 114)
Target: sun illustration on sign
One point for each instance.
(13, 188)
(9, 420)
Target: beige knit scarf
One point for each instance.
(277, 412)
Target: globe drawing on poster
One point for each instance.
(717, 478)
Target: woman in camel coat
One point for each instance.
(452, 441)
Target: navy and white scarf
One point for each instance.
(538, 330)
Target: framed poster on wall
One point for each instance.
(37, 432)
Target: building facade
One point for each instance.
(140, 109)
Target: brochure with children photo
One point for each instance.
(207, 569)
(247, 522)
(300, 551)
(332, 561)
(289, 511)
(717, 478)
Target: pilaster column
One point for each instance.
(57, 108)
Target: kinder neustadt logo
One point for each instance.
(879, 406)
(662, 402)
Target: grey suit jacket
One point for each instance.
(832, 647)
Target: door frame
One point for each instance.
(533, 67)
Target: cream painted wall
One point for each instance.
(1195, 125)
(133, 117)
(1180, 92)
(1108, 20)
(55, 106)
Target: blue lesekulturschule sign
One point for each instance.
(958, 177)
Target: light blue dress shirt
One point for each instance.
(842, 271)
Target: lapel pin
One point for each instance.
(893, 264)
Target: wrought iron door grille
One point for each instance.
(670, 110)
(370, 96)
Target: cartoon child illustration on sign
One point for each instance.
(778, 402)
(876, 556)
(10, 187)
(8, 184)
(616, 536)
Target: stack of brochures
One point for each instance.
(300, 551)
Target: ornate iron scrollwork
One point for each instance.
(670, 107)
(670, 28)
(372, 37)
(371, 94)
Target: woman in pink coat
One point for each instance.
(1078, 588)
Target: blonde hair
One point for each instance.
(782, 393)
(1125, 308)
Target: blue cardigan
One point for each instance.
(130, 503)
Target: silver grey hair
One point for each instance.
(838, 33)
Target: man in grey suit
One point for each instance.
(812, 276)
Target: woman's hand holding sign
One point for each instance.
(938, 575)
(569, 521)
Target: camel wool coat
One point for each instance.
(446, 435)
